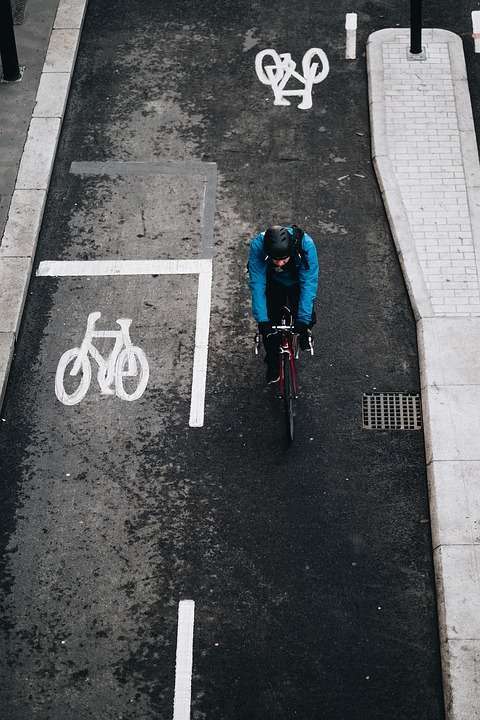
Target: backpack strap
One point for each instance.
(298, 234)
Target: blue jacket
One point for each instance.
(306, 277)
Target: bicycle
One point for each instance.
(283, 68)
(125, 360)
(288, 354)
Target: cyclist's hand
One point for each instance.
(265, 328)
(301, 328)
(305, 335)
(306, 340)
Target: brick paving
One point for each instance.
(423, 140)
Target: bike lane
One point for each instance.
(310, 569)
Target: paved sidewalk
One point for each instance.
(426, 159)
(31, 114)
(17, 99)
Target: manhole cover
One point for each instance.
(391, 411)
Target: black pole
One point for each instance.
(415, 26)
(8, 49)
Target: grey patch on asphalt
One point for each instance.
(204, 170)
(250, 41)
(391, 411)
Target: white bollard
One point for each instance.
(476, 29)
(351, 28)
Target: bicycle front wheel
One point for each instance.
(131, 362)
(289, 398)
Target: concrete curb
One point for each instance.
(19, 241)
(449, 346)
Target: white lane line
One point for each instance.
(200, 356)
(70, 268)
(184, 661)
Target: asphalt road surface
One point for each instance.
(310, 566)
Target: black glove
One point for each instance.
(265, 328)
(305, 335)
(301, 328)
(306, 340)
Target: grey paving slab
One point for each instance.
(23, 224)
(14, 279)
(454, 502)
(38, 154)
(452, 419)
(458, 576)
(7, 341)
(62, 51)
(464, 675)
(52, 95)
(70, 14)
(450, 349)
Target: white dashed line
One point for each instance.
(184, 661)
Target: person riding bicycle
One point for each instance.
(283, 270)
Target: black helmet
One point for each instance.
(278, 242)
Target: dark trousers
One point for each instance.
(278, 296)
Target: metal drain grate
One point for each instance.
(18, 11)
(391, 411)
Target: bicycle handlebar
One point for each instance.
(289, 328)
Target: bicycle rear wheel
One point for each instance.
(289, 398)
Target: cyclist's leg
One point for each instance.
(277, 296)
(275, 301)
(293, 296)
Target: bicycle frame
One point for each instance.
(106, 368)
(289, 347)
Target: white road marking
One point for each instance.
(184, 661)
(200, 357)
(202, 267)
(125, 360)
(351, 28)
(283, 68)
(72, 268)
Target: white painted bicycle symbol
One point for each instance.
(283, 68)
(125, 361)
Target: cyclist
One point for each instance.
(283, 269)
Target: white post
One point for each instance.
(476, 29)
(351, 28)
